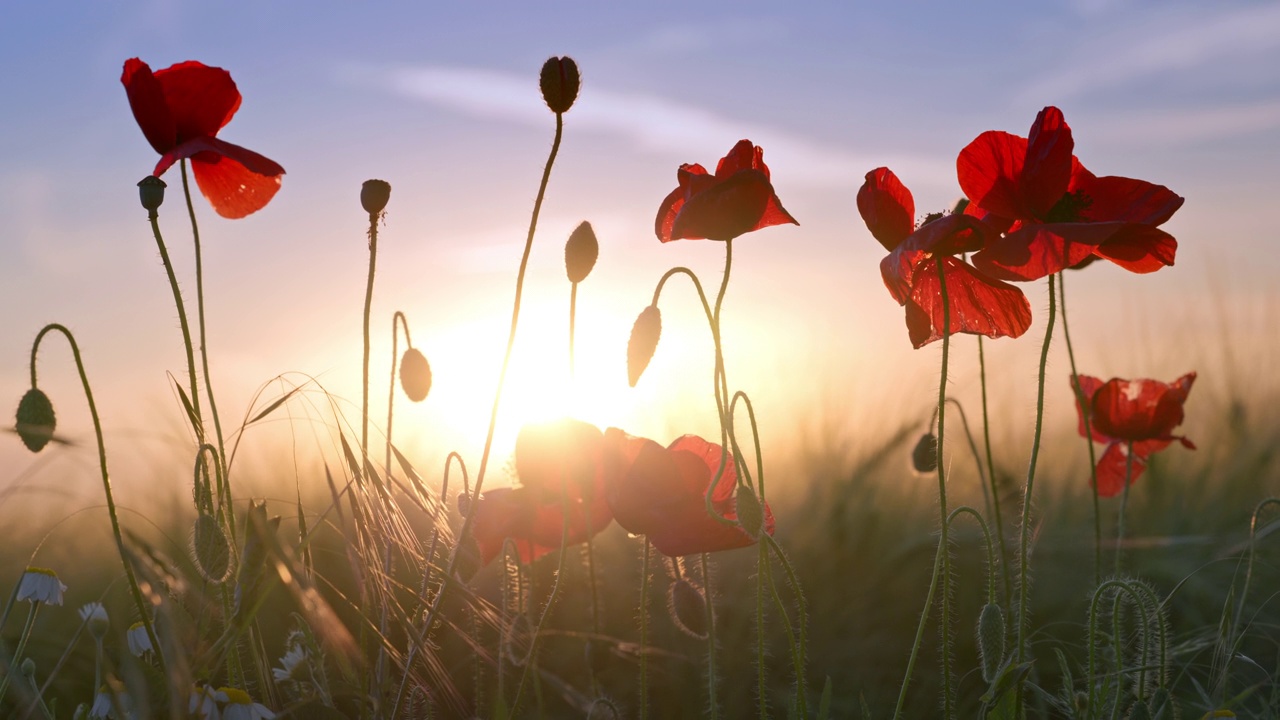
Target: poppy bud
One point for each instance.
(559, 82)
(28, 667)
(580, 252)
(374, 195)
(644, 340)
(210, 549)
(924, 456)
(415, 375)
(1140, 711)
(990, 640)
(35, 420)
(151, 193)
(750, 514)
(688, 608)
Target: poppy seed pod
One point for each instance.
(374, 195)
(580, 252)
(688, 608)
(151, 193)
(560, 82)
(415, 375)
(643, 342)
(36, 421)
(750, 514)
(924, 456)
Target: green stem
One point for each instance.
(712, 675)
(644, 633)
(551, 601)
(182, 323)
(762, 686)
(15, 666)
(1083, 403)
(368, 303)
(991, 477)
(986, 537)
(1124, 501)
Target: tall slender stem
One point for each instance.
(368, 302)
(712, 675)
(643, 690)
(182, 323)
(1083, 403)
(1124, 502)
(991, 478)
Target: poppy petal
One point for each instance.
(1114, 467)
(1139, 248)
(1088, 388)
(743, 156)
(1046, 173)
(710, 455)
(499, 514)
(978, 305)
(560, 456)
(1035, 251)
(687, 176)
(728, 209)
(203, 99)
(988, 170)
(887, 207)
(1114, 198)
(1141, 409)
(236, 181)
(146, 99)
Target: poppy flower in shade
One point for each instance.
(738, 199)
(978, 305)
(1060, 214)
(661, 493)
(180, 110)
(558, 463)
(1141, 412)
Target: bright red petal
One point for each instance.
(728, 209)
(1141, 409)
(1114, 467)
(235, 181)
(202, 99)
(1139, 248)
(1089, 386)
(146, 99)
(978, 305)
(647, 487)
(709, 455)
(1035, 251)
(743, 156)
(1114, 198)
(989, 168)
(887, 207)
(1046, 172)
(687, 177)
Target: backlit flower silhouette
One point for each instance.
(977, 304)
(1060, 214)
(41, 585)
(559, 464)
(660, 493)
(737, 199)
(1141, 412)
(180, 110)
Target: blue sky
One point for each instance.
(441, 100)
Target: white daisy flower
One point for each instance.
(292, 665)
(103, 707)
(242, 707)
(41, 585)
(139, 641)
(203, 705)
(95, 617)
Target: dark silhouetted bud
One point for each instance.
(151, 193)
(644, 340)
(580, 252)
(750, 514)
(990, 640)
(560, 82)
(415, 375)
(210, 549)
(688, 608)
(924, 456)
(374, 195)
(35, 420)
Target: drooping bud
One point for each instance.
(415, 375)
(750, 514)
(560, 82)
(374, 195)
(210, 548)
(643, 342)
(151, 193)
(990, 640)
(924, 456)
(36, 421)
(688, 608)
(580, 252)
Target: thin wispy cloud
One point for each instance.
(1156, 128)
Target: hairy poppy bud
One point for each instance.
(151, 193)
(924, 456)
(1140, 711)
(35, 420)
(644, 340)
(750, 514)
(991, 640)
(210, 549)
(688, 608)
(415, 375)
(580, 252)
(374, 195)
(560, 82)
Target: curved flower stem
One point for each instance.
(991, 477)
(502, 378)
(532, 660)
(799, 640)
(762, 685)
(397, 321)
(973, 448)
(396, 317)
(1083, 403)
(22, 647)
(1124, 501)
(204, 355)
(986, 537)
(1024, 555)
(139, 604)
(712, 675)
(182, 323)
(644, 634)
(1136, 598)
(1236, 636)
(941, 563)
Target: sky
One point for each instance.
(441, 100)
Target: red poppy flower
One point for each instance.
(1061, 214)
(1141, 412)
(978, 304)
(737, 199)
(560, 465)
(661, 493)
(180, 110)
